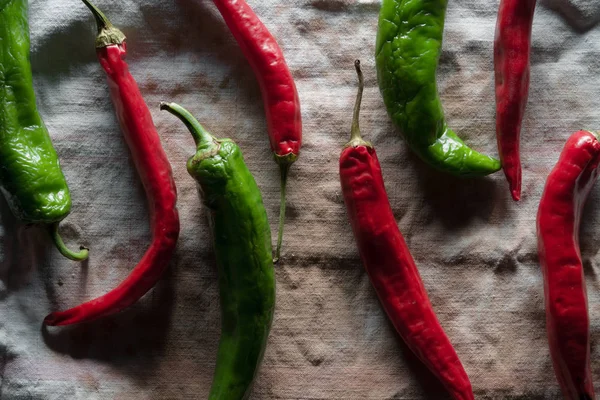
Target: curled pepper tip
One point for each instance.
(81, 255)
(57, 319)
(516, 194)
(50, 320)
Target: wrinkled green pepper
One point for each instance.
(242, 242)
(409, 42)
(30, 174)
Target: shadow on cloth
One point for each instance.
(205, 32)
(54, 56)
(589, 233)
(135, 337)
(24, 248)
(456, 202)
(577, 18)
(428, 382)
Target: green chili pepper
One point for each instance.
(242, 241)
(409, 42)
(30, 174)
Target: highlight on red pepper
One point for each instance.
(389, 264)
(154, 170)
(280, 97)
(512, 47)
(559, 216)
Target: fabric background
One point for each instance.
(475, 247)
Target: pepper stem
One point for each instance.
(355, 131)
(107, 33)
(200, 135)
(284, 169)
(62, 248)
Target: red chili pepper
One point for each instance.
(156, 175)
(280, 96)
(511, 63)
(559, 215)
(389, 263)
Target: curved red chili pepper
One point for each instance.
(280, 96)
(155, 172)
(559, 215)
(511, 63)
(390, 266)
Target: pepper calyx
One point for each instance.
(357, 142)
(285, 159)
(108, 34)
(204, 152)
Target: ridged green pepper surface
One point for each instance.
(30, 173)
(409, 42)
(242, 242)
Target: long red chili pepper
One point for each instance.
(280, 96)
(559, 215)
(511, 63)
(389, 263)
(154, 170)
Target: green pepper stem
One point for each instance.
(101, 21)
(355, 131)
(284, 169)
(107, 33)
(200, 135)
(60, 245)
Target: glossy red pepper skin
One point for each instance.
(155, 172)
(274, 77)
(391, 268)
(512, 48)
(559, 216)
(280, 97)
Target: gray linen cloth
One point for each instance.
(475, 247)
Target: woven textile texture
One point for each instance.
(475, 248)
